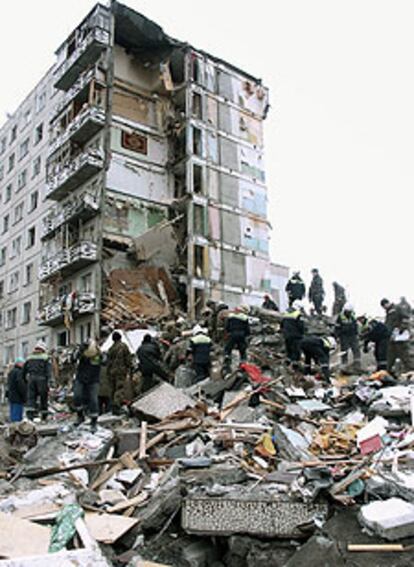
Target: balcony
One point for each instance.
(69, 306)
(85, 125)
(75, 172)
(89, 46)
(82, 207)
(69, 260)
(80, 89)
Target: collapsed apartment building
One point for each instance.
(155, 184)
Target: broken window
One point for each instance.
(196, 70)
(198, 185)
(199, 261)
(62, 339)
(31, 237)
(200, 220)
(197, 106)
(197, 142)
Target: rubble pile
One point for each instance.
(262, 464)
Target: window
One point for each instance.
(6, 223)
(28, 274)
(197, 142)
(3, 253)
(26, 312)
(9, 354)
(26, 117)
(1, 318)
(38, 135)
(62, 339)
(24, 349)
(11, 318)
(24, 149)
(197, 178)
(86, 283)
(36, 166)
(22, 179)
(8, 194)
(1, 289)
(41, 101)
(18, 213)
(11, 162)
(14, 282)
(13, 133)
(1, 172)
(31, 237)
(16, 247)
(197, 106)
(34, 201)
(3, 143)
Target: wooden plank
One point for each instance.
(143, 440)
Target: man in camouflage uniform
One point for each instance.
(118, 369)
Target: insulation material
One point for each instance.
(159, 243)
(252, 163)
(129, 178)
(212, 111)
(133, 106)
(234, 268)
(212, 147)
(215, 263)
(255, 234)
(257, 271)
(246, 93)
(213, 180)
(214, 223)
(253, 198)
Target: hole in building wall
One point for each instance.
(197, 106)
(198, 178)
(199, 261)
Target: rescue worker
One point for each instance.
(317, 349)
(316, 291)
(295, 288)
(16, 390)
(339, 299)
(237, 330)
(346, 328)
(37, 371)
(118, 368)
(149, 356)
(268, 303)
(200, 350)
(86, 385)
(397, 323)
(293, 330)
(405, 306)
(373, 331)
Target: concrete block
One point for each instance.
(391, 519)
(265, 517)
(162, 401)
(127, 440)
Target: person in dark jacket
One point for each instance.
(347, 332)
(339, 299)
(316, 291)
(86, 385)
(293, 330)
(398, 325)
(149, 356)
(317, 349)
(200, 349)
(237, 329)
(295, 288)
(37, 371)
(268, 303)
(118, 370)
(16, 391)
(373, 331)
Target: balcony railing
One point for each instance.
(85, 54)
(82, 207)
(81, 85)
(85, 125)
(69, 260)
(74, 173)
(68, 306)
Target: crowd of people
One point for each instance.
(102, 381)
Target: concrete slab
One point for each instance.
(226, 516)
(391, 519)
(162, 401)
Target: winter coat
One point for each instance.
(16, 386)
(316, 288)
(200, 348)
(89, 369)
(37, 364)
(295, 288)
(270, 304)
(346, 327)
(119, 361)
(292, 325)
(396, 318)
(237, 325)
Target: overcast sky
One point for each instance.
(340, 135)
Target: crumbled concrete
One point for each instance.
(162, 401)
(391, 519)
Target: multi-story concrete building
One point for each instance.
(154, 157)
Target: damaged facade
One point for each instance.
(155, 162)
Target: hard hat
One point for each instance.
(332, 343)
(348, 306)
(197, 330)
(297, 305)
(40, 346)
(19, 360)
